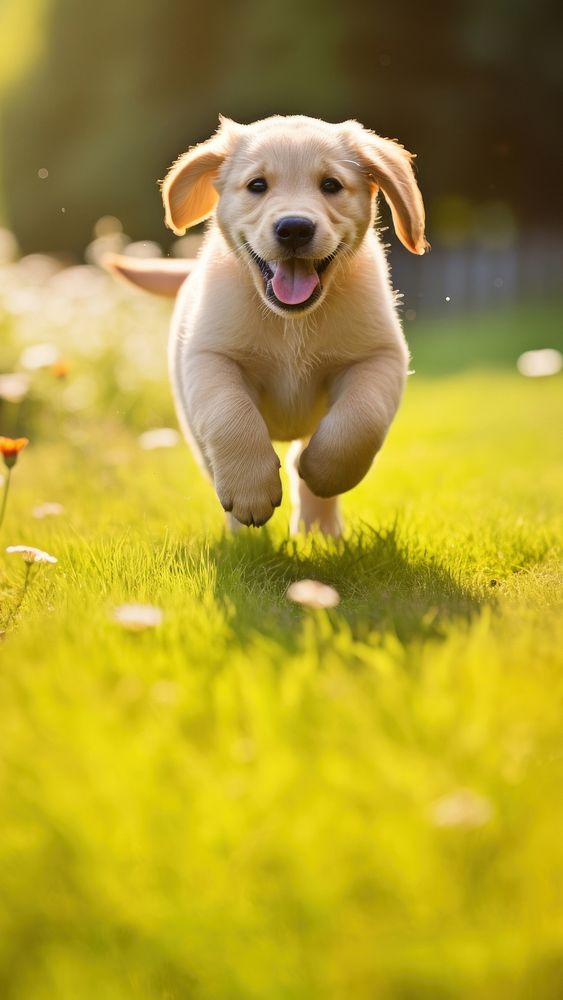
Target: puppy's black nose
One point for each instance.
(294, 231)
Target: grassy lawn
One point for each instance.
(257, 801)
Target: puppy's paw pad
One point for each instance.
(253, 513)
(250, 494)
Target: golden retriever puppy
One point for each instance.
(286, 328)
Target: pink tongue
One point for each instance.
(294, 280)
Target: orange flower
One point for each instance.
(10, 449)
(60, 369)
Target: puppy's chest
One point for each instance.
(292, 403)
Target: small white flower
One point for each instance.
(47, 510)
(138, 617)
(14, 386)
(30, 554)
(39, 356)
(535, 364)
(160, 437)
(463, 809)
(313, 594)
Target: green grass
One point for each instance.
(256, 801)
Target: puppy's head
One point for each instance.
(295, 197)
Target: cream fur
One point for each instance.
(245, 371)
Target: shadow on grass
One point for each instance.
(385, 584)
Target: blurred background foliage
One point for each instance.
(97, 99)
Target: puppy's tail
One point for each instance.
(161, 277)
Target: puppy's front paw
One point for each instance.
(330, 469)
(251, 489)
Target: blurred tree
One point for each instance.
(94, 111)
(474, 87)
(21, 35)
(108, 95)
(116, 95)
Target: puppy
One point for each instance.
(286, 329)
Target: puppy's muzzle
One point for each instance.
(294, 231)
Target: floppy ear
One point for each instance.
(389, 166)
(187, 191)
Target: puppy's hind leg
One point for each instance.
(308, 511)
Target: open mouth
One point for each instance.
(293, 283)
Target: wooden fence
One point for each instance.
(472, 278)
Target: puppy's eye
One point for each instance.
(330, 185)
(258, 185)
